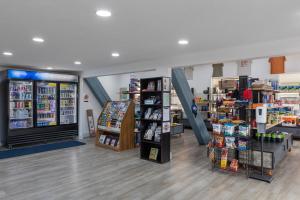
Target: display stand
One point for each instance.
(116, 126)
(261, 128)
(155, 119)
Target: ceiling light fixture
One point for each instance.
(49, 68)
(77, 63)
(115, 54)
(38, 39)
(7, 53)
(183, 42)
(103, 13)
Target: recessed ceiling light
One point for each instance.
(38, 39)
(77, 63)
(103, 13)
(49, 68)
(7, 53)
(183, 42)
(115, 54)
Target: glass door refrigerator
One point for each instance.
(41, 107)
(46, 104)
(20, 104)
(68, 103)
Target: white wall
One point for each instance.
(113, 83)
(83, 106)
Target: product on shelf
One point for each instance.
(152, 100)
(229, 129)
(20, 104)
(113, 114)
(68, 104)
(291, 121)
(217, 128)
(230, 142)
(46, 104)
(244, 130)
(234, 165)
(150, 132)
(154, 115)
(153, 153)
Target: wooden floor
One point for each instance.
(89, 172)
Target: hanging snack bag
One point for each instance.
(219, 140)
(217, 128)
(234, 165)
(244, 130)
(229, 129)
(230, 142)
(242, 145)
(224, 155)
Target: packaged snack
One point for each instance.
(217, 128)
(224, 154)
(229, 129)
(230, 142)
(244, 130)
(242, 145)
(234, 165)
(219, 139)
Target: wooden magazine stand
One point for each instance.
(125, 134)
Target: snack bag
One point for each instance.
(230, 142)
(224, 154)
(229, 129)
(234, 165)
(244, 130)
(217, 128)
(242, 145)
(219, 141)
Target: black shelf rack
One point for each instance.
(160, 92)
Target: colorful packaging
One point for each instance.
(219, 140)
(217, 128)
(230, 142)
(224, 155)
(242, 145)
(229, 129)
(244, 130)
(234, 165)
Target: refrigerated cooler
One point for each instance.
(46, 104)
(42, 107)
(20, 104)
(68, 103)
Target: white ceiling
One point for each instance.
(140, 30)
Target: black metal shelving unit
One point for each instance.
(161, 93)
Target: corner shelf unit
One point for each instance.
(155, 119)
(115, 126)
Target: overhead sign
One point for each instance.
(40, 76)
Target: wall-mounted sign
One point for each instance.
(39, 76)
(86, 98)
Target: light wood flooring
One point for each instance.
(89, 172)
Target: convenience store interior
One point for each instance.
(149, 100)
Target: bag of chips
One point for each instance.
(230, 142)
(217, 128)
(229, 129)
(234, 165)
